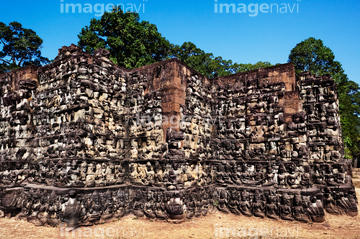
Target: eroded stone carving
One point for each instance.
(84, 141)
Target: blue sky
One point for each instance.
(236, 36)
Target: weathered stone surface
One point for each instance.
(84, 141)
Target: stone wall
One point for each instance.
(84, 141)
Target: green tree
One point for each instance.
(311, 55)
(203, 62)
(250, 67)
(132, 43)
(20, 47)
(209, 65)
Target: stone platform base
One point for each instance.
(43, 205)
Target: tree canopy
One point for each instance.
(203, 62)
(20, 47)
(209, 65)
(311, 55)
(250, 67)
(132, 43)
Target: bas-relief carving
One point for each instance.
(83, 142)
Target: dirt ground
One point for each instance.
(216, 225)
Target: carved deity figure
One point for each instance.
(272, 208)
(245, 206)
(258, 205)
(285, 207)
(299, 212)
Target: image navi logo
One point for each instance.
(99, 8)
(253, 9)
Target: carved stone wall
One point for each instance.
(84, 141)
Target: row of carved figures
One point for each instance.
(47, 207)
(94, 174)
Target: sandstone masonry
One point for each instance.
(84, 141)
